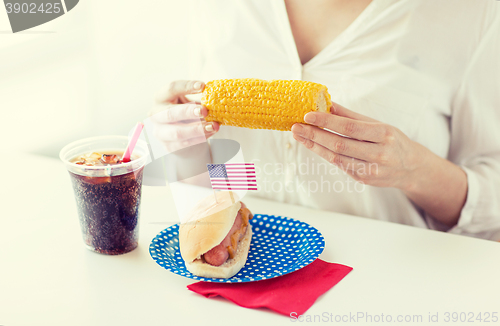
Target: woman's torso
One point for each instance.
(399, 62)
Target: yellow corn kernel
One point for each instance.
(261, 104)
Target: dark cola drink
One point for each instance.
(108, 205)
(107, 191)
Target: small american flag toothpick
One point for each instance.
(232, 176)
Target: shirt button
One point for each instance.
(288, 145)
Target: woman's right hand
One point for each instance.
(178, 122)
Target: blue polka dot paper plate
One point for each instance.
(280, 245)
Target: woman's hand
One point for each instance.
(381, 155)
(374, 153)
(178, 122)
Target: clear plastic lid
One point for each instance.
(103, 144)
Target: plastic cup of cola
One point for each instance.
(107, 196)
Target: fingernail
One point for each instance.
(197, 111)
(209, 127)
(310, 117)
(197, 86)
(297, 129)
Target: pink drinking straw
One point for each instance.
(131, 144)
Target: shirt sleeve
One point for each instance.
(475, 135)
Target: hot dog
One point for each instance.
(228, 247)
(215, 239)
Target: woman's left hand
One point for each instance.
(373, 152)
(381, 155)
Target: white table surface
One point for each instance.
(47, 277)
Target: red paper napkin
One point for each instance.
(294, 292)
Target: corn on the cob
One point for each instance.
(261, 104)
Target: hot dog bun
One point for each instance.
(230, 268)
(204, 228)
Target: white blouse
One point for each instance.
(430, 68)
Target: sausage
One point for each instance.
(216, 256)
(246, 215)
(227, 248)
(219, 254)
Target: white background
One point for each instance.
(92, 71)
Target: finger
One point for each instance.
(347, 164)
(179, 132)
(362, 130)
(365, 151)
(211, 128)
(185, 100)
(171, 113)
(179, 88)
(341, 111)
